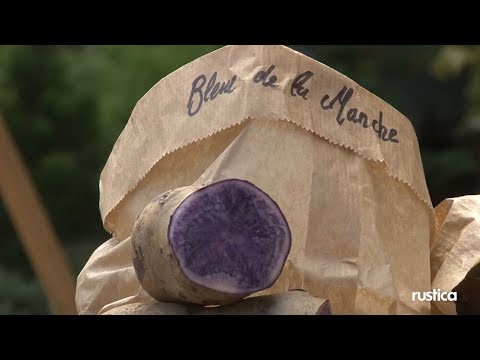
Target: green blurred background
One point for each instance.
(66, 106)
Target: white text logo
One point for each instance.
(434, 295)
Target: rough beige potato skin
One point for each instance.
(289, 303)
(160, 308)
(156, 265)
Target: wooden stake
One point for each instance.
(34, 228)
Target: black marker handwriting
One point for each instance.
(212, 90)
(265, 77)
(204, 90)
(297, 85)
(342, 98)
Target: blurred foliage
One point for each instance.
(19, 295)
(66, 106)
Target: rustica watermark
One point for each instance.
(434, 295)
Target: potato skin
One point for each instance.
(289, 303)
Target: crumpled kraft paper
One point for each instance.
(343, 165)
(456, 250)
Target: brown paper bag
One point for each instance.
(343, 165)
(456, 251)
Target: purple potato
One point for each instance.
(210, 245)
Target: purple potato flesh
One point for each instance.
(230, 237)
